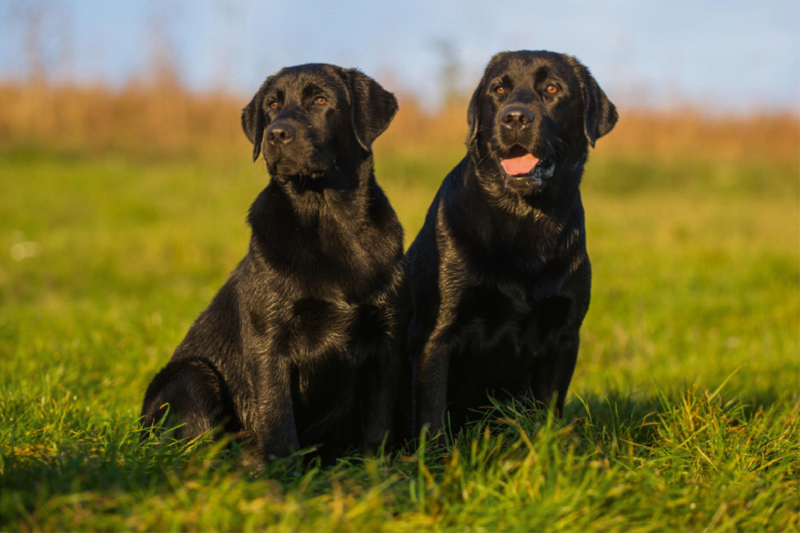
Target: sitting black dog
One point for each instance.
(499, 276)
(303, 344)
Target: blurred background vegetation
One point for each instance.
(122, 210)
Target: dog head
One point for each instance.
(309, 119)
(532, 118)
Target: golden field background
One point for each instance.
(162, 118)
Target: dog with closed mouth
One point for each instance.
(303, 344)
(499, 276)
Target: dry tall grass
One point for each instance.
(163, 118)
(139, 118)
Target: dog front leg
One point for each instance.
(379, 382)
(553, 369)
(277, 434)
(432, 367)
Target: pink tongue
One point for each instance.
(519, 165)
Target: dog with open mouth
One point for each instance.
(302, 346)
(499, 276)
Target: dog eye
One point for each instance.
(500, 90)
(552, 89)
(320, 100)
(273, 105)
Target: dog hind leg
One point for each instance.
(191, 398)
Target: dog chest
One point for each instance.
(313, 328)
(507, 318)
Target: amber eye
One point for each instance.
(273, 105)
(321, 100)
(552, 89)
(500, 90)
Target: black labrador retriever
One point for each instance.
(303, 344)
(499, 276)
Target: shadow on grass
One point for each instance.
(121, 470)
(603, 422)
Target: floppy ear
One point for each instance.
(474, 113)
(373, 107)
(254, 121)
(599, 115)
(474, 109)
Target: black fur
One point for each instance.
(302, 345)
(499, 276)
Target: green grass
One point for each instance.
(683, 413)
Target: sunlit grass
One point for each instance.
(696, 268)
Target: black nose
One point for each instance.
(516, 118)
(280, 133)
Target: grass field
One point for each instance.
(683, 413)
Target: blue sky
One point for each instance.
(723, 55)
